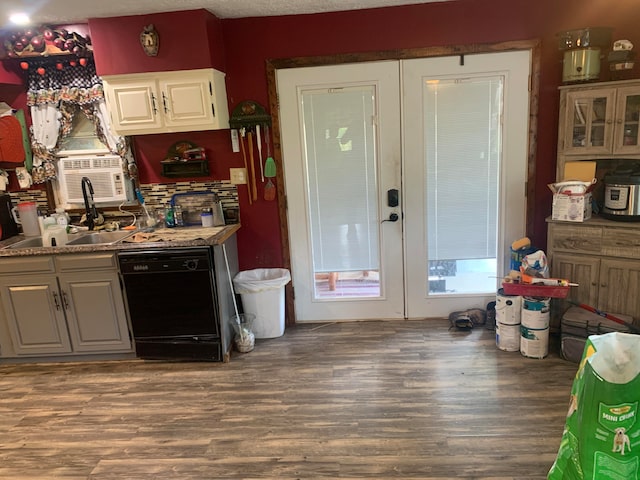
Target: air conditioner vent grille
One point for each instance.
(105, 172)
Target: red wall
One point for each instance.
(249, 42)
(184, 42)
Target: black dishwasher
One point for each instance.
(171, 296)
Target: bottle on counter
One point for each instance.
(207, 217)
(169, 217)
(177, 215)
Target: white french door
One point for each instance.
(465, 161)
(404, 182)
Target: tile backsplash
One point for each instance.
(157, 194)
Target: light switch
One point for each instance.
(238, 176)
(235, 142)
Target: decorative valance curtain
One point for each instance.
(55, 93)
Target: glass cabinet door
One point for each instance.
(627, 138)
(589, 118)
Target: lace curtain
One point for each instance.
(54, 98)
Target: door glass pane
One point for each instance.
(580, 109)
(599, 112)
(463, 147)
(340, 164)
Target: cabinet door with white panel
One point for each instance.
(133, 104)
(163, 102)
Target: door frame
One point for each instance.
(276, 64)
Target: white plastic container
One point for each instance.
(262, 292)
(27, 217)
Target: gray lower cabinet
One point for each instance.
(603, 258)
(62, 305)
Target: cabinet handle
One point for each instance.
(164, 102)
(619, 120)
(55, 301)
(64, 300)
(153, 103)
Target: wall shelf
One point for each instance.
(191, 168)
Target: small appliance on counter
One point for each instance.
(582, 51)
(622, 194)
(7, 222)
(193, 204)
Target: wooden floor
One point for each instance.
(384, 400)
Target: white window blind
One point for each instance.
(462, 132)
(340, 162)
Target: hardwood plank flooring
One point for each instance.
(384, 400)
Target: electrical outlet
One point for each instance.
(238, 176)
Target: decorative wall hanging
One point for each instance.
(150, 40)
(249, 114)
(43, 41)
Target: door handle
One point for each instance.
(394, 217)
(55, 301)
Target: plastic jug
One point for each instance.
(55, 236)
(27, 216)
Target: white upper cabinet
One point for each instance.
(164, 102)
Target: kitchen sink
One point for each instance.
(99, 238)
(30, 242)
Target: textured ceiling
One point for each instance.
(78, 11)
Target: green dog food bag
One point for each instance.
(601, 438)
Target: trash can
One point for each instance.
(262, 293)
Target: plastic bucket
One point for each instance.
(508, 308)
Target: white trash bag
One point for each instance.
(260, 279)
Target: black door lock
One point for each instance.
(392, 198)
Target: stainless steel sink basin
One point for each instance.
(29, 242)
(98, 238)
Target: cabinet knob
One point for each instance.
(619, 120)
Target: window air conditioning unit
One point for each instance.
(105, 172)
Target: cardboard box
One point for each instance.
(571, 207)
(571, 200)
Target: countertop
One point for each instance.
(140, 240)
(599, 221)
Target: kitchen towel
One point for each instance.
(11, 145)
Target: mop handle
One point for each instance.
(632, 328)
(233, 295)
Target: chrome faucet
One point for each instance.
(89, 203)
